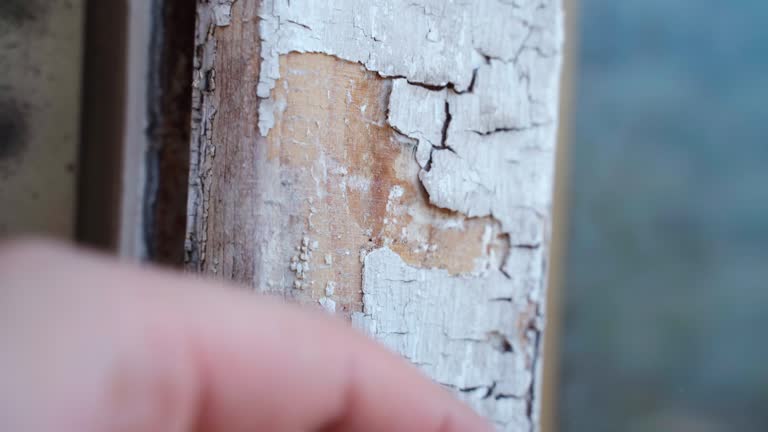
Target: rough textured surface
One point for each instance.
(402, 155)
(223, 176)
(349, 181)
(334, 182)
(478, 336)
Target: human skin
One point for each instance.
(90, 344)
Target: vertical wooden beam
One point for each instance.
(391, 162)
(226, 148)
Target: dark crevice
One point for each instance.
(431, 87)
(490, 391)
(469, 389)
(471, 87)
(446, 125)
(531, 396)
(487, 58)
(502, 299)
(299, 24)
(444, 137)
(510, 396)
(507, 250)
(526, 246)
(500, 342)
(439, 87)
(500, 130)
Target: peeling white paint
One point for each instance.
(330, 289)
(386, 36)
(450, 327)
(507, 175)
(422, 121)
(300, 262)
(222, 12)
(475, 87)
(328, 304)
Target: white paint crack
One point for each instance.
(475, 87)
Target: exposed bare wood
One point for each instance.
(412, 195)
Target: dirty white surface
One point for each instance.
(475, 86)
(462, 331)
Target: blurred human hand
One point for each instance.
(88, 344)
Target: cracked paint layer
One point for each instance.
(478, 336)
(343, 178)
(501, 89)
(413, 142)
(219, 216)
(475, 87)
(431, 42)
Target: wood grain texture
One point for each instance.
(391, 162)
(332, 172)
(223, 175)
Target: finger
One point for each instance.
(273, 367)
(257, 364)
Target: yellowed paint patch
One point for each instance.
(360, 180)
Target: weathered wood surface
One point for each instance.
(391, 162)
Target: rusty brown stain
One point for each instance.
(332, 134)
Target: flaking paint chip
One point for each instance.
(328, 304)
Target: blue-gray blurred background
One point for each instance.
(666, 284)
